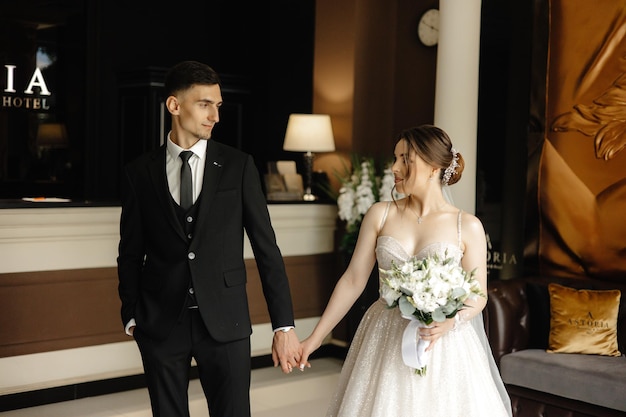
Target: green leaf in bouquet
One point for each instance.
(406, 308)
(458, 292)
(438, 315)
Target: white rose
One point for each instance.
(389, 295)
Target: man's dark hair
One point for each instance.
(184, 75)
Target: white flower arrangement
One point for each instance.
(360, 189)
(426, 290)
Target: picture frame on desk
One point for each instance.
(287, 187)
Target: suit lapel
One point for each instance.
(213, 168)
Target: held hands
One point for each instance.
(307, 347)
(286, 350)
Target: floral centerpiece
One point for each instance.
(360, 189)
(426, 290)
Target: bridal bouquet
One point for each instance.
(426, 290)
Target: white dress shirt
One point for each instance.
(173, 164)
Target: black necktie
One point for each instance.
(186, 195)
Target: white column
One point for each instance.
(456, 88)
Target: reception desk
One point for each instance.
(60, 321)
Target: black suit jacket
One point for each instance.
(156, 261)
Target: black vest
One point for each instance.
(188, 220)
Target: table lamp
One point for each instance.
(309, 133)
(51, 135)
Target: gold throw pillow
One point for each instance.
(583, 321)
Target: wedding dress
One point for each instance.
(461, 380)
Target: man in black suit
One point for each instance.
(182, 277)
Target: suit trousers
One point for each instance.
(223, 368)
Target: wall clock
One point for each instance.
(428, 27)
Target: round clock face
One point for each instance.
(428, 27)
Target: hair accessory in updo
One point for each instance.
(447, 174)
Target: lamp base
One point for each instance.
(308, 170)
(309, 197)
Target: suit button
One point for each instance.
(190, 290)
(189, 219)
(191, 255)
(189, 236)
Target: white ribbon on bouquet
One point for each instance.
(414, 352)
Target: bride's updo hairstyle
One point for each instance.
(434, 146)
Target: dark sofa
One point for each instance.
(544, 384)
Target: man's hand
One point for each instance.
(286, 350)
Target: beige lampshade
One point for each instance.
(51, 135)
(309, 132)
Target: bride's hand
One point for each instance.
(307, 347)
(436, 331)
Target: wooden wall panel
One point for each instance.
(53, 310)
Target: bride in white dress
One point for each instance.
(462, 379)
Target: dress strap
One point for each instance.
(458, 226)
(382, 221)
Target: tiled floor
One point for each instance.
(272, 394)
